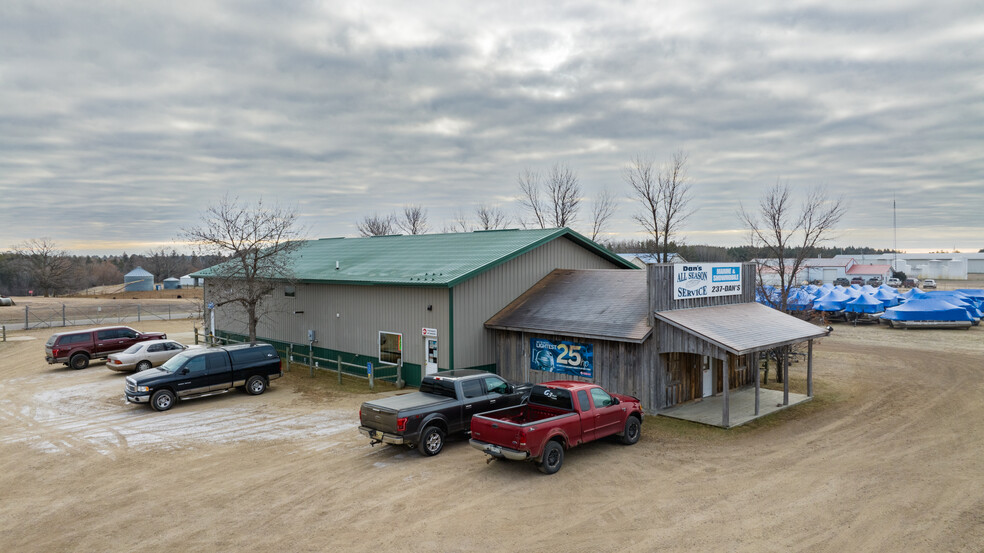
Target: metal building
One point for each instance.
(172, 283)
(420, 301)
(138, 280)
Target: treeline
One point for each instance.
(719, 254)
(40, 269)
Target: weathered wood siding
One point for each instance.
(619, 367)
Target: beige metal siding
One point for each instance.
(348, 318)
(476, 300)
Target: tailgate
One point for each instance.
(378, 418)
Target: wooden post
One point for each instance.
(758, 384)
(196, 333)
(809, 370)
(726, 415)
(785, 375)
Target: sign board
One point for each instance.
(706, 280)
(428, 331)
(211, 305)
(562, 357)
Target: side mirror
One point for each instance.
(184, 370)
(615, 400)
(509, 388)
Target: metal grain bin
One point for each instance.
(172, 283)
(138, 280)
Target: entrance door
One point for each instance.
(430, 355)
(707, 376)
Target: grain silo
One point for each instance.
(138, 280)
(172, 283)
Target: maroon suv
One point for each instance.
(77, 347)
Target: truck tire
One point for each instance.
(255, 385)
(632, 431)
(162, 400)
(143, 365)
(431, 441)
(552, 458)
(79, 361)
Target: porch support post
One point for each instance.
(726, 415)
(809, 370)
(758, 383)
(785, 375)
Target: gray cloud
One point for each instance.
(120, 122)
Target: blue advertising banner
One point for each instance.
(562, 357)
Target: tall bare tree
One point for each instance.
(602, 210)
(664, 194)
(490, 217)
(414, 220)
(164, 263)
(563, 196)
(50, 269)
(376, 225)
(259, 241)
(790, 236)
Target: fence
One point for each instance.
(44, 316)
(304, 355)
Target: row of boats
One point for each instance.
(912, 309)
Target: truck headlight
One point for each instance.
(143, 388)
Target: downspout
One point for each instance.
(451, 328)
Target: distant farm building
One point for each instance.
(172, 283)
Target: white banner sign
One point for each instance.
(706, 280)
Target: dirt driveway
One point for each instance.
(889, 457)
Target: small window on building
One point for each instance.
(289, 291)
(390, 348)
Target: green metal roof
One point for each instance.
(423, 260)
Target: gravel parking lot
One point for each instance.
(887, 458)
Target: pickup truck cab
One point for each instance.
(558, 416)
(205, 372)
(443, 407)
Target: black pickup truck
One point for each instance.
(204, 372)
(444, 406)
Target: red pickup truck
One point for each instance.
(558, 416)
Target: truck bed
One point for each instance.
(527, 414)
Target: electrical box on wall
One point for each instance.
(311, 336)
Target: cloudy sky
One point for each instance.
(121, 121)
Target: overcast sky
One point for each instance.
(121, 121)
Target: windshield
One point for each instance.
(175, 362)
(133, 349)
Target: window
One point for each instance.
(471, 388)
(173, 346)
(196, 365)
(438, 386)
(390, 348)
(106, 334)
(74, 339)
(153, 348)
(551, 397)
(600, 398)
(126, 333)
(289, 291)
(217, 362)
(582, 398)
(496, 385)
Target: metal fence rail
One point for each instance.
(67, 315)
(366, 372)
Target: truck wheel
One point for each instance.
(79, 361)
(143, 365)
(255, 385)
(633, 429)
(552, 457)
(162, 400)
(431, 441)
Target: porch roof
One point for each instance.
(742, 328)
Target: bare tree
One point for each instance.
(790, 236)
(491, 217)
(414, 220)
(50, 269)
(664, 194)
(260, 243)
(164, 263)
(459, 223)
(563, 196)
(602, 211)
(376, 225)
